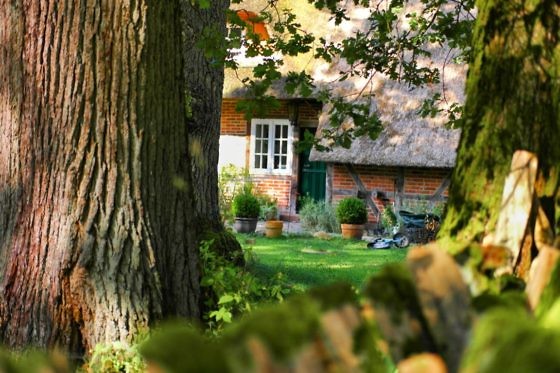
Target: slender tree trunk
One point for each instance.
(513, 102)
(204, 77)
(204, 33)
(96, 235)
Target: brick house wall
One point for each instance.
(422, 187)
(232, 123)
(235, 134)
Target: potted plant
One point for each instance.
(245, 208)
(272, 225)
(352, 215)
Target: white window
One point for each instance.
(271, 146)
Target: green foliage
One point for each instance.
(35, 361)
(245, 205)
(179, 347)
(334, 295)
(318, 216)
(396, 38)
(231, 181)
(282, 328)
(423, 207)
(351, 210)
(388, 218)
(509, 340)
(269, 208)
(393, 287)
(225, 245)
(231, 291)
(116, 357)
(551, 293)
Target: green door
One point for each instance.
(312, 175)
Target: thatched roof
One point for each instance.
(403, 144)
(407, 140)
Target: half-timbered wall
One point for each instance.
(414, 188)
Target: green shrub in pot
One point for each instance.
(245, 205)
(351, 210)
(352, 214)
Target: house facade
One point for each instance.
(266, 147)
(408, 165)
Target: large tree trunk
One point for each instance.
(96, 238)
(513, 102)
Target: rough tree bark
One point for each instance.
(204, 32)
(204, 84)
(96, 239)
(513, 102)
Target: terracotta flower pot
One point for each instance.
(273, 228)
(245, 225)
(352, 231)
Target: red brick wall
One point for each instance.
(233, 122)
(419, 182)
(423, 181)
(277, 187)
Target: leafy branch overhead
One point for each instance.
(397, 39)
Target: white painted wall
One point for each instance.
(232, 151)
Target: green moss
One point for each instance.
(225, 245)
(7, 364)
(366, 339)
(283, 328)
(551, 318)
(334, 295)
(453, 246)
(551, 293)
(393, 288)
(509, 300)
(116, 357)
(511, 105)
(510, 283)
(178, 347)
(508, 340)
(33, 360)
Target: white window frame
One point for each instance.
(272, 123)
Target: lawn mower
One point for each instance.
(398, 240)
(406, 219)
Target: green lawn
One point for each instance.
(306, 261)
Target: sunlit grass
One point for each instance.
(306, 262)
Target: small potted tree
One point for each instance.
(352, 215)
(273, 225)
(246, 208)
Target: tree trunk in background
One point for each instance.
(204, 32)
(96, 238)
(204, 78)
(513, 102)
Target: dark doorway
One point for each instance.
(312, 175)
